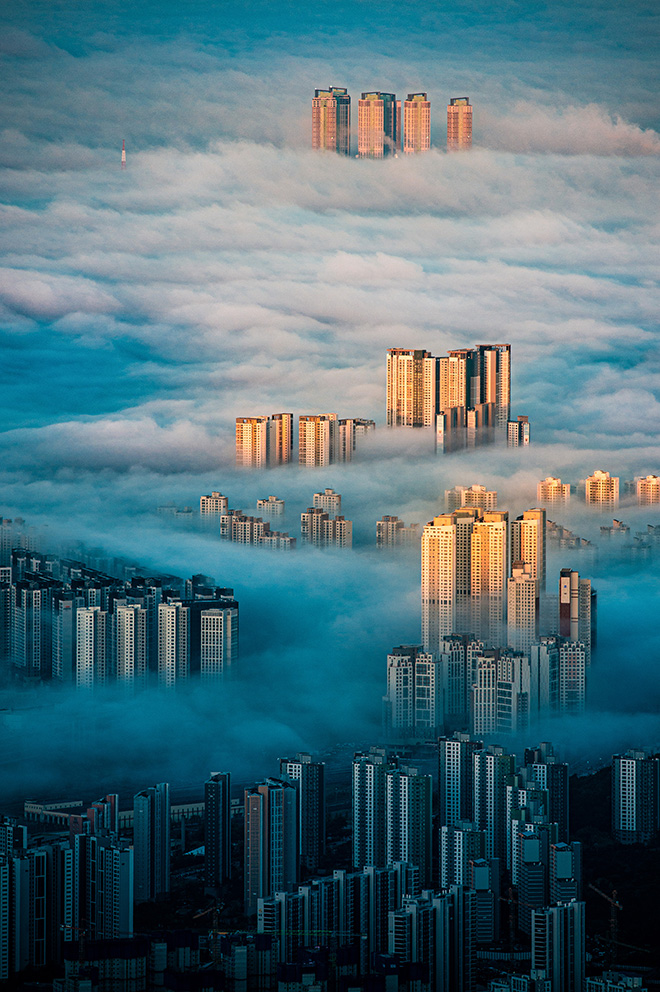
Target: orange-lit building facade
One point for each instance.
(459, 124)
(378, 125)
(331, 120)
(416, 124)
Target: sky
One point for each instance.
(231, 271)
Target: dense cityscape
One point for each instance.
(329, 498)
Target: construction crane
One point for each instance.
(615, 905)
(216, 909)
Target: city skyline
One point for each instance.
(157, 309)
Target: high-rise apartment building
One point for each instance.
(317, 439)
(413, 705)
(213, 506)
(378, 125)
(280, 439)
(309, 777)
(489, 567)
(331, 120)
(368, 806)
(577, 610)
(455, 778)
(217, 830)
(475, 495)
(92, 643)
(601, 489)
(416, 123)
(251, 442)
(635, 796)
(411, 388)
(459, 124)
(572, 676)
(518, 432)
(647, 489)
(522, 608)
(271, 840)
(558, 945)
(528, 543)
(272, 506)
(553, 492)
(492, 767)
(173, 644)
(408, 812)
(218, 643)
(328, 500)
(151, 842)
(131, 646)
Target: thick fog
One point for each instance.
(232, 271)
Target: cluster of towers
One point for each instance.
(385, 125)
(497, 651)
(63, 621)
(323, 439)
(459, 395)
(412, 901)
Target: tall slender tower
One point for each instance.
(411, 388)
(331, 120)
(251, 442)
(123, 154)
(377, 125)
(528, 543)
(416, 123)
(459, 124)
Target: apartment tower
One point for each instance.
(331, 120)
(459, 124)
(378, 125)
(416, 124)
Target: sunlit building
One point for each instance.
(378, 125)
(459, 124)
(416, 123)
(317, 439)
(485, 499)
(577, 610)
(552, 492)
(528, 543)
(331, 120)
(518, 432)
(251, 442)
(328, 500)
(213, 505)
(522, 608)
(601, 489)
(411, 388)
(648, 490)
(280, 439)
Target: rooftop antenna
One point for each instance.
(123, 154)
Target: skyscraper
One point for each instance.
(317, 439)
(489, 566)
(635, 796)
(309, 777)
(647, 489)
(474, 495)
(408, 813)
(416, 123)
(91, 647)
(411, 388)
(601, 489)
(131, 646)
(558, 945)
(173, 644)
(522, 608)
(528, 543)
(577, 609)
(217, 830)
(218, 643)
(552, 492)
(280, 439)
(251, 442)
(271, 840)
(151, 842)
(455, 778)
(369, 772)
(331, 120)
(459, 124)
(378, 125)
